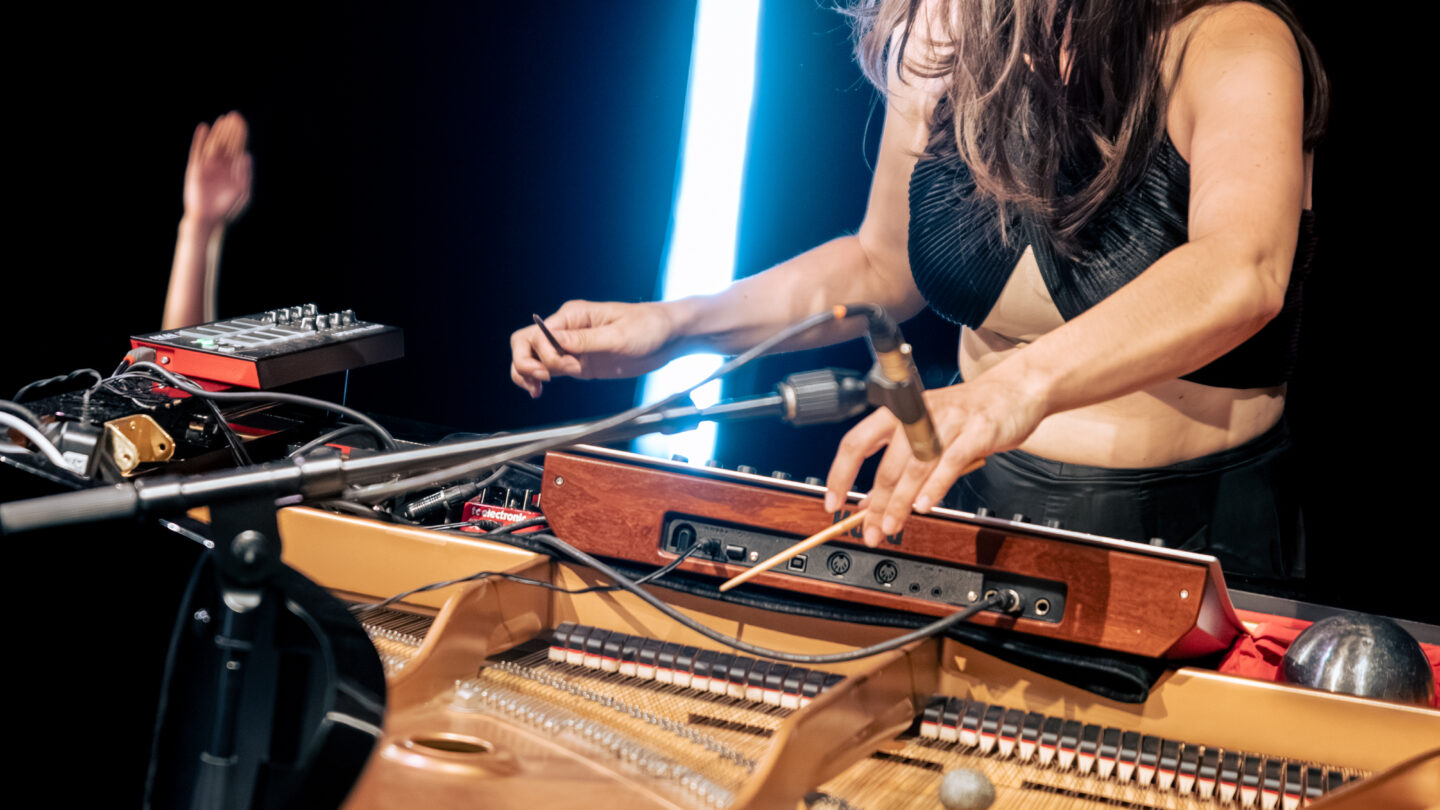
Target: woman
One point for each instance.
(1107, 194)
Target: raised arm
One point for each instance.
(1237, 109)
(217, 189)
(619, 340)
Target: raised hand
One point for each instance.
(217, 189)
(218, 173)
(599, 339)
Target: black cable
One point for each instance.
(362, 510)
(379, 492)
(237, 444)
(525, 466)
(325, 439)
(435, 586)
(458, 492)
(188, 387)
(349, 507)
(114, 384)
(25, 389)
(934, 628)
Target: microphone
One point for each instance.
(895, 382)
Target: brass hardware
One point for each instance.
(135, 440)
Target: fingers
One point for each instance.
(958, 458)
(526, 370)
(533, 360)
(233, 143)
(863, 441)
(605, 339)
(888, 504)
(897, 483)
(225, 140)
(531, 386)
(902, 482)
(592, 340)
(197, 143)
(580, 314)
(549, 356)
(212, 141)
(241, 174)
(242, 134)
(244, 174)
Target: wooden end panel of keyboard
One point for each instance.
(1115, 600)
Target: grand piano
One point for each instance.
(504, 693)
(539, 685)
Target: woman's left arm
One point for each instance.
(1240, 111)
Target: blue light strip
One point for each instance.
(700, 254)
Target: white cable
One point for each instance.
(35, 437)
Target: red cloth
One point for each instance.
(1260, 653)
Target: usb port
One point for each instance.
(736, 553)
(797, 563)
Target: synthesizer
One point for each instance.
(1068, 586)
(275, 347)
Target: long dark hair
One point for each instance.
(1018, 124)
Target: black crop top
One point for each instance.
(961, 265)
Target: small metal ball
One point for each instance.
(1355, 654)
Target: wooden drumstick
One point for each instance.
(816, 539)
(804, 545)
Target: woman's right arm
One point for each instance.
(217, 189)
(612, 339)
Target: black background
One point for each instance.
(451, 170)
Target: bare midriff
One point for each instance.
(1163, 424)
(1166, 423)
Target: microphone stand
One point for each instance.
(803, 399)
(255, 634)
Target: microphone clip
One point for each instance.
(894, 383)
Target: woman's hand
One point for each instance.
(218, 173)
(600, 340)
(973, 420)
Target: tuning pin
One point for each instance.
(679, 458)
(747, 469)
(714, 462)
(814, 481)
(782, 475)
(311, 310)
